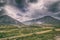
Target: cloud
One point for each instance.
(33, 10)
(54, 7)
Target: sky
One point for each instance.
(32, 9)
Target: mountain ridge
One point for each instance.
(5, 19)
(45, 19)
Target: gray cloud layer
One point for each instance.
(37, 8)
(43, 7)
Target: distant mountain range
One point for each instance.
(5, 19)
(45, 19)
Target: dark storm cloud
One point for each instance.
(30, 9)
(33, 1)
(54, 7)
(21, 4)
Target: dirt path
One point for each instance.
(26, 35)
(30, 34)
(57, 37)
(57, 29)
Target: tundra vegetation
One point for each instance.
(28, 32)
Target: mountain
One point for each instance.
(45, 19)
(5, 19)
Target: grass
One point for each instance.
(57, 32)
(32, 30)
(10, 31)
(9, 34)
(46, 36)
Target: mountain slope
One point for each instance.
(5, 19)
(45, 19)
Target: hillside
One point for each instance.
(5, 19)
(45, 19)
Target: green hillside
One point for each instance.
(10, 32)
